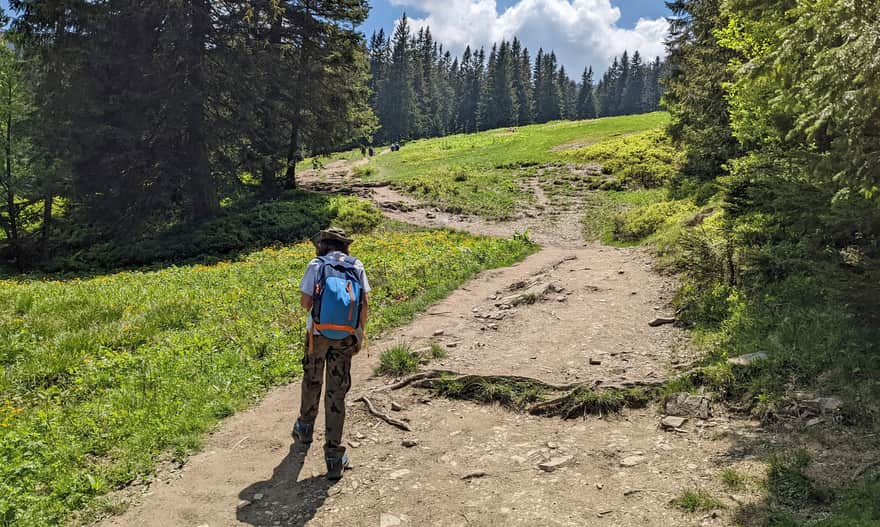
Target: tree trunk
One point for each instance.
(203, 188)
(45, 230)
(292, 154)
(11, 208)
(268, 182)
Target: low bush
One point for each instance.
(644, 160)
(637, 224)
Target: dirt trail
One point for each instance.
(470, 464)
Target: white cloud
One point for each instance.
(581, 32)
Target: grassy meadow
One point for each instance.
(483, 173)
(101, 377)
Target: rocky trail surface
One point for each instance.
(571, 313)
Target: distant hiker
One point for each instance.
(335, 291)
(363, 151)
(372, 152)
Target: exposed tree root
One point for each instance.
(525, 394)
(385, 417)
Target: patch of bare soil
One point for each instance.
(571, 313)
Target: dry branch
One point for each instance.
(385, 417)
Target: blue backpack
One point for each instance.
(338, 297)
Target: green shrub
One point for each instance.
(644, 160)
(637, 224)
(355, 216)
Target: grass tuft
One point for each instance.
(437, 352)
(696, 500)
(398, 360)
(732, 479)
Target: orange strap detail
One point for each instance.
(335, 327)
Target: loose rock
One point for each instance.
(439, 333)
(661, 321)
(409, 443)
(631, 461)
(474, 475)
(672, 422)
(683, 404)
(594, 361)
(397, 407)
(397, 474)
(388, 520)
(555, 463)
(243, 503)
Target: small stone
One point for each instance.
(555, 463)
(242, 504)
(599, 486)
(630, 492)
(594, 361)
(354, 444)
(354, 484)
(388, 520)
(397, 474)
(360, 436)
(748, 359)
(452, 345)
(621, 272)
(552, 446)
(476, 310)
(661, 321)
(672, 422)
(493, 326)
(430, 216)
(397, 407)
(560, 298)
(409, 443)
(258, 496)
(631, 461)
(439, 333)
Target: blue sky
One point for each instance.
(581, 32)
(383, 14)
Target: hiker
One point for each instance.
(363, 151)
(371, 151)
(335, 291)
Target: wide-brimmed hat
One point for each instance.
(333, 233)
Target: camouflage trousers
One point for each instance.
(336, 355)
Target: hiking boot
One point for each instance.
(303, 432)
(335, 467)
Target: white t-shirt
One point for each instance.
(307, 284)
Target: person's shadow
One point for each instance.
(283, 498)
